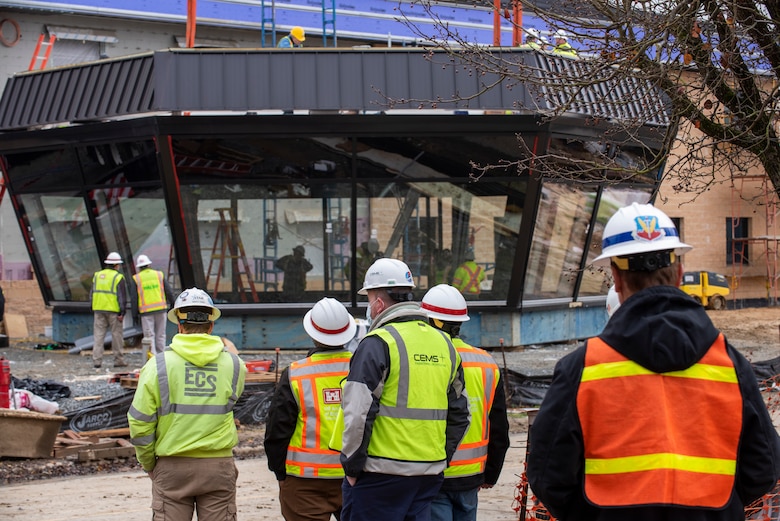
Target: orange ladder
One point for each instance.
(48, 45)
(228, 241)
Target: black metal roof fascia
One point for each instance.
(95, 90)
(274, 79)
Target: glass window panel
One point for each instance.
(119, 163)
(67, 265)
(51, 170)
(558, 242)
(596, 281)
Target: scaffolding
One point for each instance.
(756, 250)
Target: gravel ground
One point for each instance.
(754, 331)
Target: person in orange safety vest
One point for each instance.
(302, 418)
(468, 276)
(658, 417)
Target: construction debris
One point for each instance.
(91, 447)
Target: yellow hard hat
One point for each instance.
(298, 33)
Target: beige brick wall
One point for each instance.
(703, 224)
(23, 297)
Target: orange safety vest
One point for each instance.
(659, 438)
(316, 385)
(480, 373)
(472, 284)
(151, 293)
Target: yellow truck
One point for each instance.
(707, 288)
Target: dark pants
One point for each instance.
(389, 498)
(310, 499)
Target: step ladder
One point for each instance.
(228, 247)
(45, 46)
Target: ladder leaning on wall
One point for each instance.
(228, 247)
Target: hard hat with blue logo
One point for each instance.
(387, 273)
(633, 236)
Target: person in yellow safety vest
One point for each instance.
(404, 406)
(480, 456)
(109, 298)
(181, 418)
(658, 417)
(295, 39)
(535, 40)
(468, 276)
(562, 46)
(302, 417)
(152, 298)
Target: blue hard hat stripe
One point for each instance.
(629, 236)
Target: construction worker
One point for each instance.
(535, 40)
(109, 297)
(295, 39)
(480, 456)
(151, 298)
(302, 417)
(562, 46)
(658, 417)
(403, 404)
(468, 276)
(181, 418)
(295, 267)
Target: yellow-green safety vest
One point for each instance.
(481, 375)
(412, 420)
(151, 293)
(104, 288)
(316, 385)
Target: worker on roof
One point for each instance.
(152, 298)
(658, 417)
(302, 418)
(535, 40)
(403, 405)
(562, 45)
(480, 456)
(109, 298)
(295, 39)
(181, 419)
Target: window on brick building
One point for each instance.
(737, 251)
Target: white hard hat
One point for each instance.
(613, 300)
(193, 298)
(637, 229)
(445, 303)
(387, 273)
(142, 261)
(113, 258)
(329, 323)
(560, 33)
(533, 32)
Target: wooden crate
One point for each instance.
(28, 434)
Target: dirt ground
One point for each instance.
(114, 489)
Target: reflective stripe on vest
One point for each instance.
(151, 294)
(412, 418)
(169, 407)
(481, 374)
(316, 385)
(673, 450)
(104, 288)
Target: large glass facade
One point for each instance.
(287, 220)
(284, 220)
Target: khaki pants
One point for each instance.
(105, 320)
(180, 485)
(153, 325)
(310, 499)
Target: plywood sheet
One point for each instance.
(16, 326)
